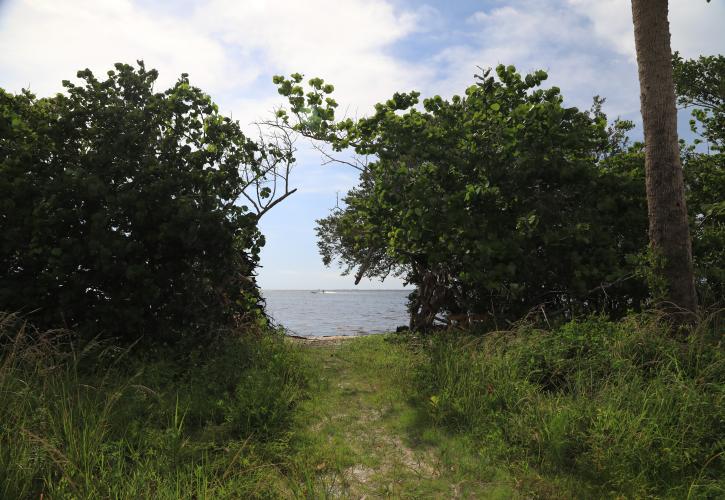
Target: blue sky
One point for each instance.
(367, 48)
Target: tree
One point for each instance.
(496, 201)
(700, 85)
(119, 209)
(669, 233)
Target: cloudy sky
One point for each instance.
(367, 48)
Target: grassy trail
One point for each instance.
(360, 435)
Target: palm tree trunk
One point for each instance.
(669, 233)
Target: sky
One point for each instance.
(368, 49)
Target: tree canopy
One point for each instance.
(700, 86)
(505, 200)
(119, 207)
(499, 200)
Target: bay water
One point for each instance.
(337, 312)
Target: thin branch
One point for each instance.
(273, 203)
(331, 159)
(256, 208)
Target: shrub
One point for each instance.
(118, 208)
(500, 199)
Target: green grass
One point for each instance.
(364, 433)
(103, 422)
(593, 409)
(605, 409)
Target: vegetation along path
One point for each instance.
(362, 435)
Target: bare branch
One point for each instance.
(268, 184)
(273, 203)
(358, 165)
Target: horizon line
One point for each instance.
(337, 289)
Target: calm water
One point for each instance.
(338, 312)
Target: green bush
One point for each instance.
(705, 180)
(620, 404)
(497, 200)
(118, 213)
(107, 422)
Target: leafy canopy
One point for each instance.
(498, 200)
(118, 207)
(700, 85)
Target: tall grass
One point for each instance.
(102, 422)
(621, 406)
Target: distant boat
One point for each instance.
(322, 291)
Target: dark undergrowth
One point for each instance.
(106, 422)
(622, 408)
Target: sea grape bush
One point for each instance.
(117, 206)
(499, 200)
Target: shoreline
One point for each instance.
(328, 338)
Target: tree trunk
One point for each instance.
(669, 234)
(433, 293)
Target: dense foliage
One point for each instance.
(499, 200)
(117, 206)
(705, 182)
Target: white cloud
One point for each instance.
(696, 26)
(345, 43)
(229, 48)
(586, 46)
(539, 34)
(611, 22)
(43, 42)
